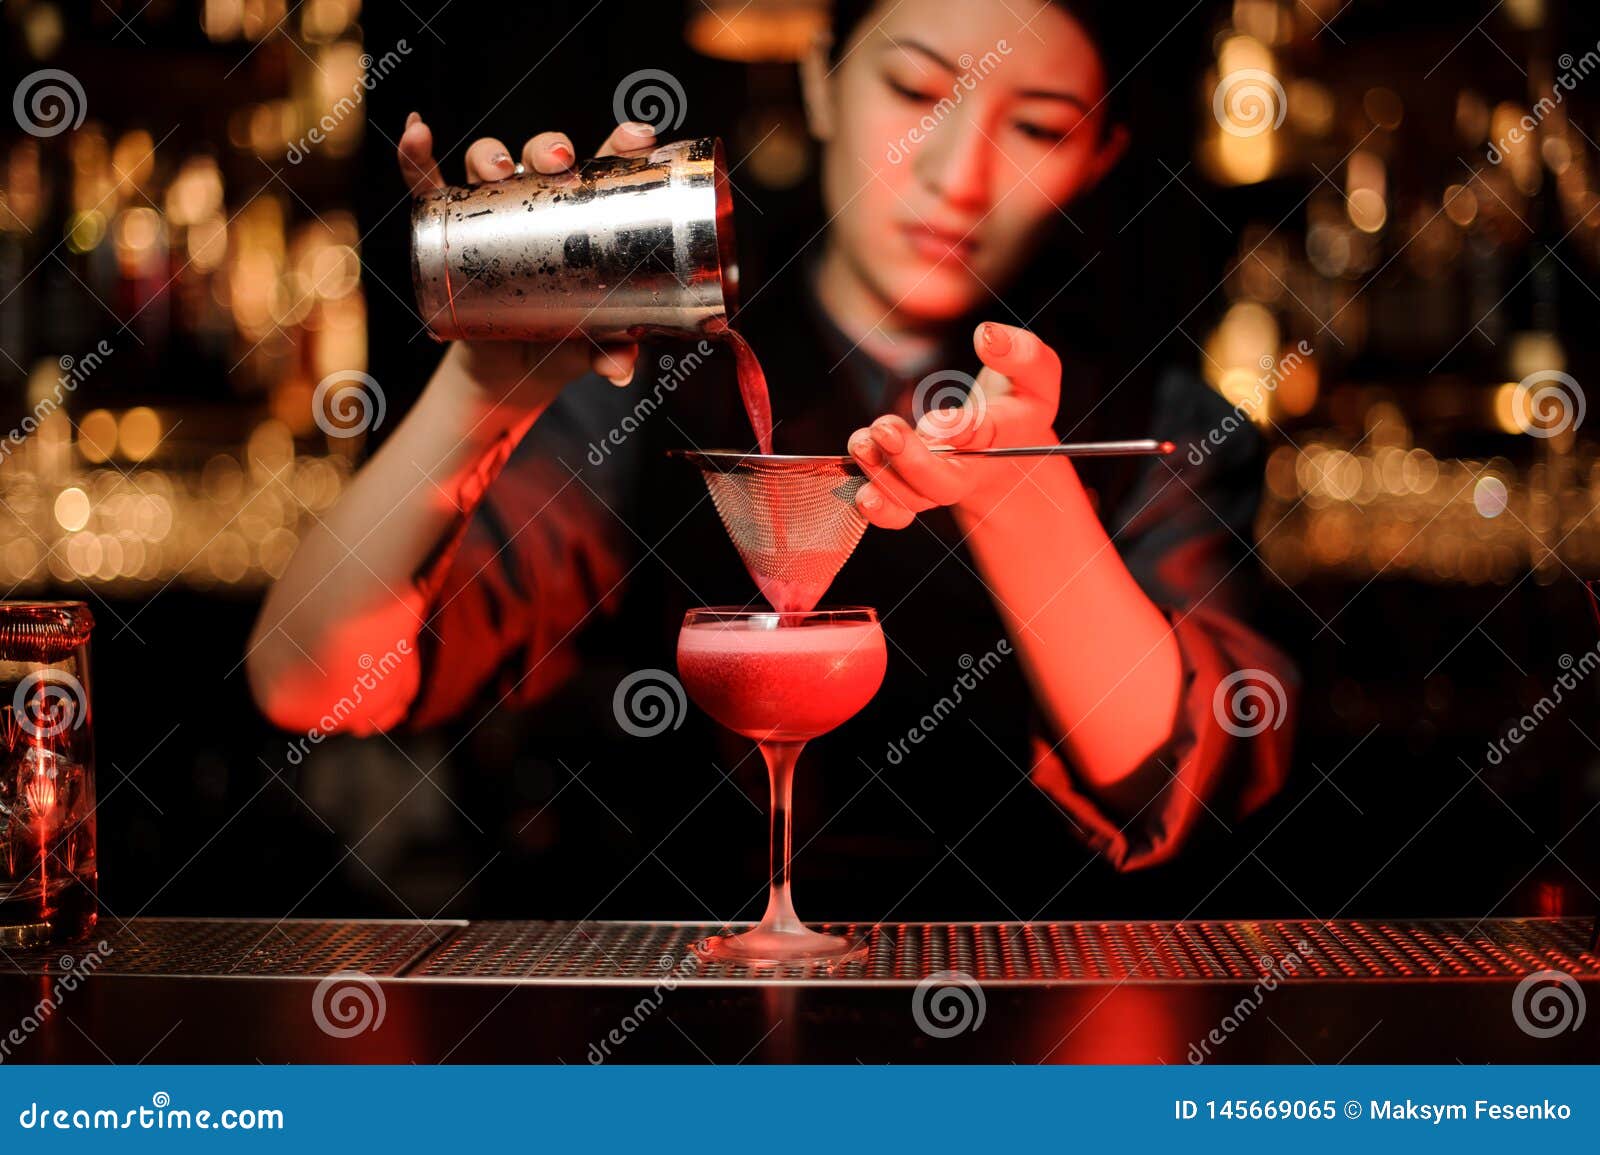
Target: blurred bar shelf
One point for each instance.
(199, 990)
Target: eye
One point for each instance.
(908, 93)
(1040, 133)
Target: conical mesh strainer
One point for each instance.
(793, 520)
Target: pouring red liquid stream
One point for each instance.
(752, 383)
(784, 596)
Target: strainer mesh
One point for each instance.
(793, 521)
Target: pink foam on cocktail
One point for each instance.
(785, 684)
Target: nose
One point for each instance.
(954, 161)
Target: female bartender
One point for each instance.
(1065, 641)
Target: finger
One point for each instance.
(615, 362)
(549, 152)
(874, 459)
(959, 426)
(908, 459)
(880, 509)
(1032, 366)
(629, 137)
(417, 166)
(488, 160)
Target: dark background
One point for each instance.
(1392, 808)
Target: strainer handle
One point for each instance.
(1146, 447)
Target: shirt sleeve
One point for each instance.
(1185, 534)
(510, 590)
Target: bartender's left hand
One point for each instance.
(1013, 402)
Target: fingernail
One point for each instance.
(619, 382)
(996, 339)
(562, 154)
(501, 160)
(639, 128)
(869, 500)
(413, 118)
(889, 437)
(863, 447)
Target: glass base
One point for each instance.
(760, 946)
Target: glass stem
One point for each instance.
(780, 758)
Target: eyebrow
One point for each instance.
(948, 65)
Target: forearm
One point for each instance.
(350, 589)
(1099, 654)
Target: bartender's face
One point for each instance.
(955, 131)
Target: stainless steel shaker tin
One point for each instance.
(619, 247)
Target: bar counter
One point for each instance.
(1290, 991)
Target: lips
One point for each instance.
(934, 243)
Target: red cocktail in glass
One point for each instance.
(780, 679)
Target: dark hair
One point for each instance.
(1106, 21)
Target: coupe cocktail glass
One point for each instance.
(780, 679)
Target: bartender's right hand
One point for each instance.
(515, 371)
